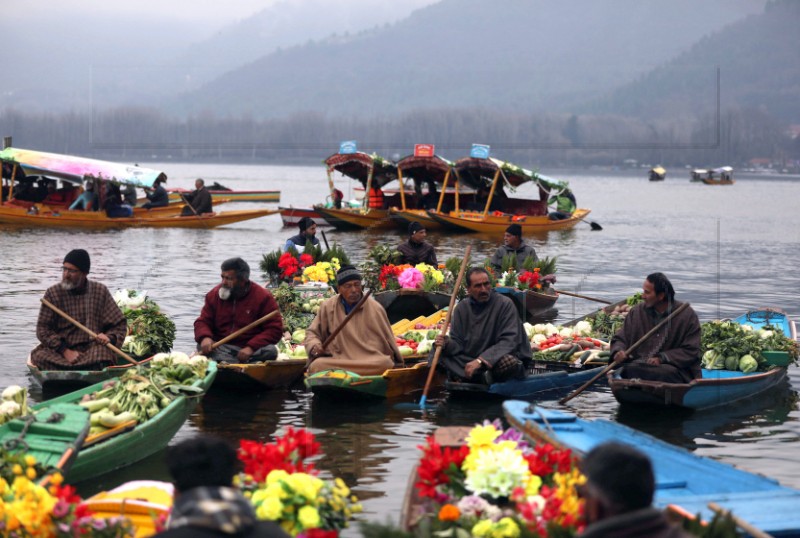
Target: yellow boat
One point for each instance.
(474, 221)
(260, 375)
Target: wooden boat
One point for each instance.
(682, 478)
(260, 376)
(231, 195)
(407, 303)
(53, 434)
(529, 303)
(392, 383)
(291, 216)
(72, 379)
(134, 444)
(761, 317)
(141, 501)
(714, 176)
(657, 173)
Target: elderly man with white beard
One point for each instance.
(233, 304)
(63, 346)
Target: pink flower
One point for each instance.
(411, 278)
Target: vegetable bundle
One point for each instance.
(727, 345)
(149, 330)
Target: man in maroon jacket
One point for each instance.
(235, 303)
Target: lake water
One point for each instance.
(725, 248)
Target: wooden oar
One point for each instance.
(341, 326)
(327, 247)
(628, 351)
(562, 292)
(435, 361)
(755, 532)
(244, 329)
(87, 330)
(595, 227)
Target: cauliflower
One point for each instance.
(583, 328)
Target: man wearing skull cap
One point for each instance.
(512, 244)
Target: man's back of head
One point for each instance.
(202, 461)
(620, 475)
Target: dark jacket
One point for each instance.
(521, 253)
(645, 523)
(158, 197)
(414, 253)
(200, 200)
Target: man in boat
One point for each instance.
(487, 342)
(206, 502)
(199, 200)
(618, 495)
(365, 344)
(232, 305)
(308, 234)
(512, 244)
(375, 198)
(416, 249)
(87, 201)
(157, 196)
(63, 346)
(673, 353)
(565, 205)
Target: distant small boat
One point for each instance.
(657, 173)
(291, 216)
(714, 176)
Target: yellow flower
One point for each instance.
(275, 476)
(481, 436)
(30, 461)
(271, 508)
(505, 528)
(482, 528)
(533, 485)
(17, 469)
(308, 517)
(304, 484)
(56, 479)
(30, 472)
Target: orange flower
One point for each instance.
(449, 512)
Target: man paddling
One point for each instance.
(63, 346)
(673, 353)
(512, 244)
(365, 344)
(199, 200)
(231, 305)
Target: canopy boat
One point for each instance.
(529, 303)
(500, 211)
(279, 374)
(408, 303)
(714, 176)
(682, 478)
(657, 173)
(291, 216)
(369, 170)
(716, 387)
(130, 443)
(392, 383)
(424, 166)
(62, 380)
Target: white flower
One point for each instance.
(9, 410)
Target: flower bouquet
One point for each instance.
(497, 485)
(284, 487)
(293, 266)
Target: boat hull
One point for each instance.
(393, 383)
(237, 196)
(354, 219)
(291, 216)
(529, 303)
(411, 303)
(260, 376)
(476, 222)
(61, 380)
(404, 217)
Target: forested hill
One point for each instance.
(759, 65)
(513, 55)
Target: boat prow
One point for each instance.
(392, 383)
(267, 375)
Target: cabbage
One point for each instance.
(748, 364)
(300, 352)
(732, 363)
(298, 336)
(713, 360)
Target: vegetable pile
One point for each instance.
(566, 344)
(727, 345)
(298, 308)
(606, 323)
(149, 330)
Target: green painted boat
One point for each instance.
(62, 380)
(391, 383)
(52, 434)
(140, 441)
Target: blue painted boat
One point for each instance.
(682, 478)
(776, 317)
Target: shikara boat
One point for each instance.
(141, 501)
(682, 478)
(657, 173)
(231, 195)
(501, 211)
(392, 383)
(71, 379)
(291, 216)
(53, 434)
(260, 376)
(407, 303)
(424, 166)
(125, 446)
(714, 176)
(529, 303)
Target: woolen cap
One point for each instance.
(305, 223)
(346, 274)
(414, 227)
(79, 258)
(515, 229)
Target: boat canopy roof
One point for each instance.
(77, 169)
(424, 168)
(659, 170)
(358, 165)
(721, 169)
(477, 172)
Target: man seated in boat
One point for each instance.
(157, 196)
(487, 342)
(416, 249)
(113, 204)
(512, 244)
(308, 234)
(618, 495)
(231, 305)
(565, 205)
(199, 200)
(63, 346)
(87, 201)
(673, 353)
(365, 345)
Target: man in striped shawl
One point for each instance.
(63, 346)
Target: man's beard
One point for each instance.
(225, 293)
(69, 285)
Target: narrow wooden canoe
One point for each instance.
(53, 434)
(682, 478)
(291, 216)
(233, 196)
(404, 217)
(71, 379)
(353, 219)
(529, 303)
(474, 221)
(393, 383)
(130, 446)
(260, 376)
(411, 303)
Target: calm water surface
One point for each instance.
(726, 249)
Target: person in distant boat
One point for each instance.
(58, 197)
(365, 345)
(199, 199)
(113, 204)
(565, 205)
(618, 495)
(487, 342)
(512, 244)
(308, 231)
(231, 305)
(375, 198)
(129, 194)
(672, 354)
(206, 502)
(157, 196)
(62, 345)
(338, 196)
(416, 249)
(87, 201)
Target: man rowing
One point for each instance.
(63, 346)
(198, 201)
(512, 244)
(231, 305)
(365, 344)
(673, 353)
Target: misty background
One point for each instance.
(544, 82)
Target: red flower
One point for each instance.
(438, 466)
(289, 264)
(318, 533)
(287, 453)
(306, 260)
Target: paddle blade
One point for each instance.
(595, 227)
(422, 401)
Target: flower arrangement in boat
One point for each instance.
(321, 271)
(149, 330)
(293, 266)
(285, 488)
(499, 485)
(537, 275)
